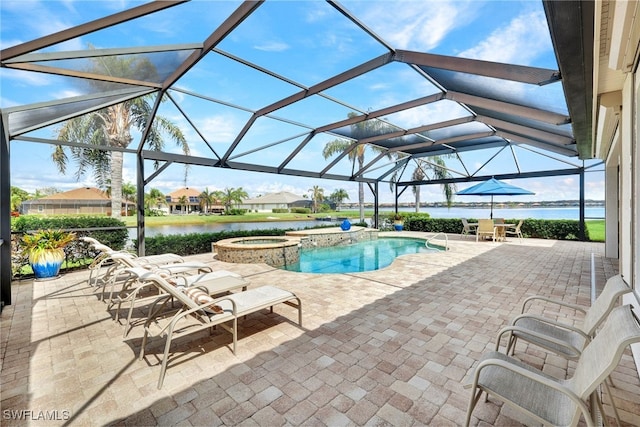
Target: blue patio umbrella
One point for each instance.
(493, 187)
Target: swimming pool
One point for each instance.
(362, 256)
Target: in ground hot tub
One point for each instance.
(276, 251)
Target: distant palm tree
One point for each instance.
(129, 195)
(231, 196)
(154, 199)
(317, 196)
(358, 131)
(338, 196)
(183, 201)
(207, 198)
(111, 126)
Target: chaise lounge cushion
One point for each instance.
(200, 297)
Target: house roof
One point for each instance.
(187, 191)
(275, 198)
(85, 193)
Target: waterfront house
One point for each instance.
(86, 200)
(279, 200)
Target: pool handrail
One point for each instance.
(446, 240)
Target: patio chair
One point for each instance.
(125, 260)
(515, 231)
(198, 311)
(563, 339)
(103, 260)
(549, 400)
(214, 283)
(486, 229)
(468, 228)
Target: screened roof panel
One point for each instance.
(548, 97)
(431, 115)
(267, 85)
(24, 119)
(308, 42)
(313, 111)
(388, 85)
(152, 67)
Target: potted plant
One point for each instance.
(45, 251)
(398, 222)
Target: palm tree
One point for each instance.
(111, 126)
(129, 195)
(338, 196)
(154, 199)
(317, 195)
(358, 130)
(436, 166)
(207, 198)
(232, 196)
(183, 201)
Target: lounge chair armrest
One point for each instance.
(182, 314)
(511, 329)
(553, 301)
(535, 377)
(550, 322)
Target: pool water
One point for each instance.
(362, 256)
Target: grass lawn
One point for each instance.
(596, 229)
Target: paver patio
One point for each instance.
(390, 347)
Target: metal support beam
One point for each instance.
(376, 201)
(140, 203)
(581, 228)
(5, 216)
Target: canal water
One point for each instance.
(536, 213)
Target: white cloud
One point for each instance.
(272, 46)
(415, 25)
(524, 39)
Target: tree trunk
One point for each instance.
(116, 183)
(417, 199)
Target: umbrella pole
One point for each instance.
(491, 214)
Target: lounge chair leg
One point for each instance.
(235, 334)
(165, 358)
(472, 404)
(613, 405)
(143, 345)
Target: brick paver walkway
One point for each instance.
(392, 347)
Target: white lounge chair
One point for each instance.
(103, 260)
(561, 338)
(197, 312)
(549, 400)
(125, 260)
(213, 283)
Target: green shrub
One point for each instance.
(279, 210)
(301, 210)
(198, 243)
(236, 211)
(558, 229)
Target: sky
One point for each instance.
(311, 35)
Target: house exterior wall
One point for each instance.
(64, 208)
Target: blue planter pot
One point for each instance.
(346, 225)
(398, 227)
(47, 264)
